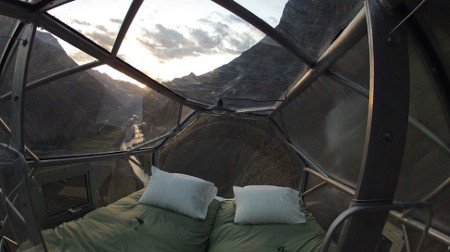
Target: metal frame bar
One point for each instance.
(104, 155)
(253, 110)
(132, 11)
(88, 158)
(16, 9)
(433, 193)
(18, 86)
(4, 53)
(433, 233)
(350, 191)
(134, 161)
(54, 77)
(25, 173)
(312, 189)
(46, 5)
(348, 38)
(406, 238)
(264, 27)
(78, 40)
(373, 208)
(7, 130)
(411, 120)
(432, 61)
(11, 47)
(180, 112)
(116, 41)
(386, 127)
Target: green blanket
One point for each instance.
(116, 228)
(227, 236)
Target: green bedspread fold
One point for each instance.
(128, 226)
(227, 236)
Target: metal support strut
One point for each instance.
(386, 128)
(371, 208)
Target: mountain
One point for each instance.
(266, 70)
(85, 112)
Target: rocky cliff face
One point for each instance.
(266, 70)
(231, 151)
(85, 112)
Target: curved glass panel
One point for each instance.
(231, 151)
(424, 168)
(5, 87)
(31, 1)
(433, 19)
(94, 111)
(185, 113)
(354, 64)
(311, 25)
(6, 29)
(20, 230)
(203, 52)
(46, 56)
(328, 122)
(425, 102)
(100, 21)
(268, 10)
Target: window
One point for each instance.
(66, 194)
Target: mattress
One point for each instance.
(128, 226)
(227, 236)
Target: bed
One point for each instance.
(128, 226)
(228, 236)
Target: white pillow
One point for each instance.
(265, 204)
(180, 193)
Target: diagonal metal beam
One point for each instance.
(9, 45)
(46, 5)
(433, 233)
(427, 132)
(348, 38)
(16, 9)
(76, 39)
(132, 11)
(4, 126)
(7, 54)
(265, 28)
(54, 77)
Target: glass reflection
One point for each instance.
(204, 52)
(100, 21)
(46, 56)
(170, 40)
(92, 111)
(268, 10)
(6, 29)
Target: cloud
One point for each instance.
(208, 37)
(116, 20)
(102, 28)
(242, 42)
(80, 22)
(103, 38)
(204, 39)
(167, 43)
(80, 56)
(222, 29)
(167, 38)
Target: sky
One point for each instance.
(168, 38)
